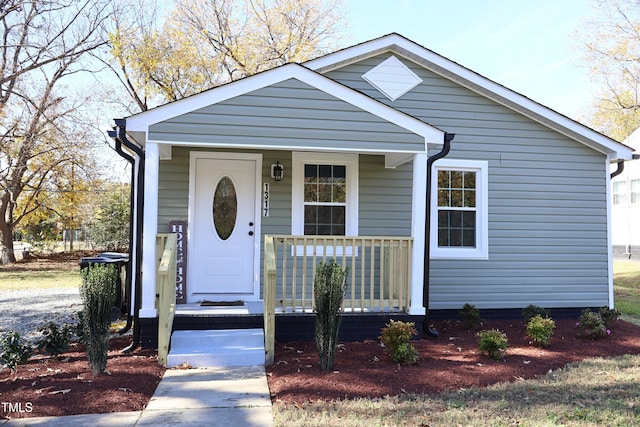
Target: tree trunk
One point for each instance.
(7, 254)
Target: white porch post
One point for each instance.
(150, 230)
(418, 223)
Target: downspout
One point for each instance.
(129, 280)
(619, 170)
(426, 330)
(137, 183)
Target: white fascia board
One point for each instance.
(141, 122)
(474, 81)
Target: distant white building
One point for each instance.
(625, 212)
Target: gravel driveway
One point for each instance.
(27, 310)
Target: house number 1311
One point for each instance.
(265, 200)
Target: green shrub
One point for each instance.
(590, 324)
(493, 342)
(470, 316)
(329, 288)
(396, 338)
(532, 311)
(540, 330)
(609, 316)
(13, 351)
(98, 293)
(55, 339)
(79, 327)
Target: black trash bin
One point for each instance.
(121, 261)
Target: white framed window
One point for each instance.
(620, 193)
(459, 209)
(634, 190)
(324, 194)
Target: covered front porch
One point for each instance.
(379, 285)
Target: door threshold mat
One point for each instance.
(236, 303)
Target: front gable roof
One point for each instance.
(138, 125)
(438, 64)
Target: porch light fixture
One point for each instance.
(277, 171)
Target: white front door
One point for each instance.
(224, 230)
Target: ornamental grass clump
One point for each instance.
(97, 290)
(396, 338)
(493, 342)
(329, 288)
(540, 330)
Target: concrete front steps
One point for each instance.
(217, 348)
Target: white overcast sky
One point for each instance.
(528, 46)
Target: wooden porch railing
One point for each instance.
(166, 292)
(379, 274)
(379, 269)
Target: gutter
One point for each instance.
(426, 330)
(619, 170)
(119, 134)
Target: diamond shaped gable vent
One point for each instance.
(392, 78)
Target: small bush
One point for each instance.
(329, 287)
(97, 291)
(590, 324)
(79, 327)
(540, 330)
(609, 316)
(493, 342)
(531, 311)
(13, 351)
(470, 316)
(55, 339)
(396, 337)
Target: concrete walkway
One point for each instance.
(234, 396)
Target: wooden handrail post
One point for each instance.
(269, 299)
(166, 282)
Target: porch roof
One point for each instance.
(289, 107)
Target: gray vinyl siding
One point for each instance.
(287, 114)
(547, 201)
(385, 198)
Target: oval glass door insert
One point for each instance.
(225, 207)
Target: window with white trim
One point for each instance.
(620, 193)
(459, 199)
(325, 194)
(634, 191)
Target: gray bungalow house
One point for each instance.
(435, 185)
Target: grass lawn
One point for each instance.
(595, 392)
(626, 285)
(39, 279)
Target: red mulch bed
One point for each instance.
(47, 386)
(361, 369)
(450, 362)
